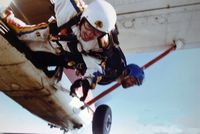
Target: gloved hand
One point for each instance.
(80, 69)
(85, 86)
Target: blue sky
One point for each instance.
(166, 103)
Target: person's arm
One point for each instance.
(86, 83)
(93, 74)
(66, 9)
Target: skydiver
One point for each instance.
(88, 36)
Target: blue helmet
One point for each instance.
(133, 75)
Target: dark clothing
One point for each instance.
(115, 64)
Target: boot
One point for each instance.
(19, 26)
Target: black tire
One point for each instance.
(102, 120)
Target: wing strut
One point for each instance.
(175, 45)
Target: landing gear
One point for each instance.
(102, 120)
(61, 128)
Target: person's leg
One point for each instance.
(18, 25)
(43, 59)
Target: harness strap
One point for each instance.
(73, 21)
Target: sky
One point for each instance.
(166, 103)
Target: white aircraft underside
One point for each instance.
(150, 25)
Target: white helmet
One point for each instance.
(101, 15)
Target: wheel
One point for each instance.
(102, 120)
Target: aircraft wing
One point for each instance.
(149, 25)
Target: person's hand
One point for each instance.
(80, 69)
(74, 86)
(85, 87)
